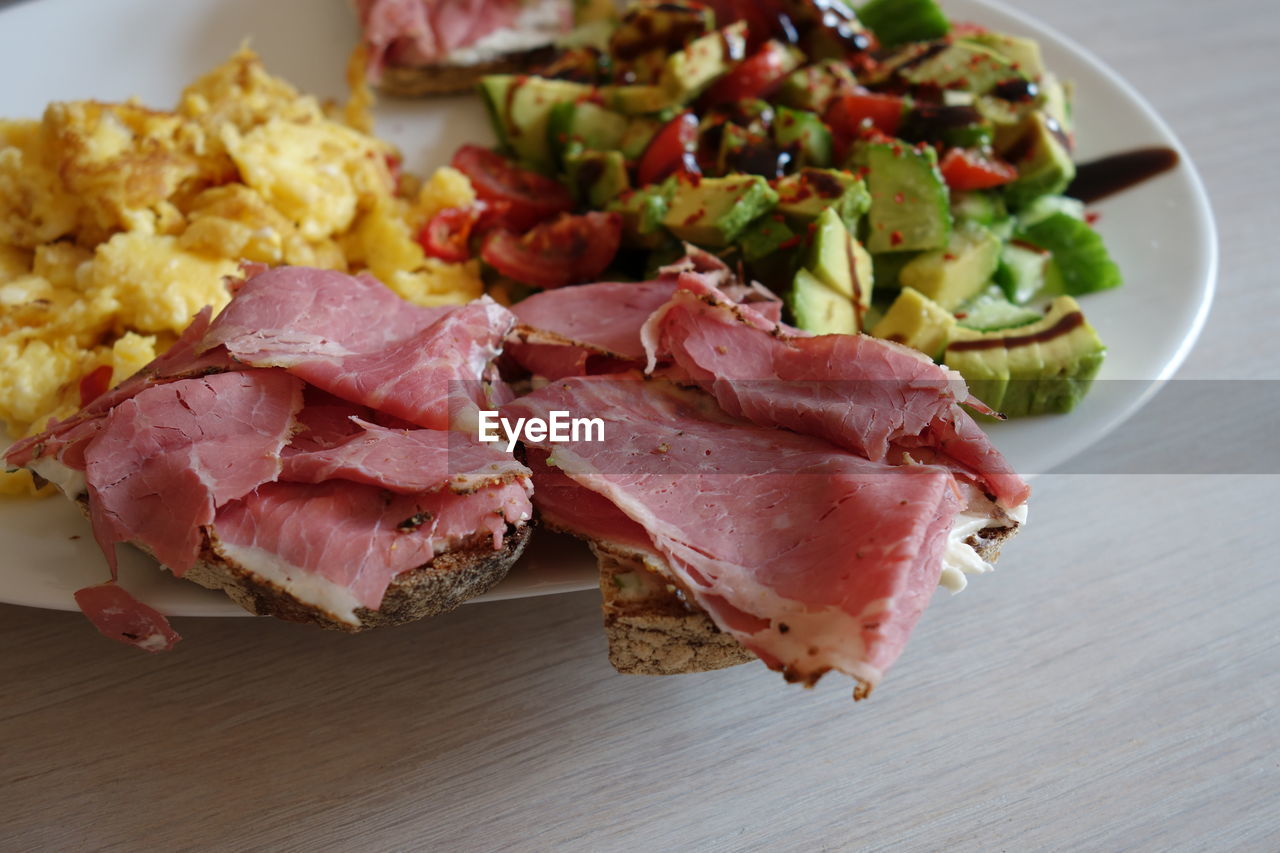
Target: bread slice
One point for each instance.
(452, 578)
(417, 81)
(653, 629)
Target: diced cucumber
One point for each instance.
(803, 134)
(1080, 262)
(990, 310)
(897, 22)
(1023, 271)
(910, 205)
(590, 125)
(520, 108)
(764, 237)
(984, 208)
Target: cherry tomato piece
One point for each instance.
(569, 250)
(670, 151)
(532, 198)
(754, 77)
(848, 114)
(965, 169)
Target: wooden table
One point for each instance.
(1114, 686)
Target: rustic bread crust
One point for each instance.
(420, 81)
(470, 569)
(653, 629)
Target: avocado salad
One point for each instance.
(884, 169)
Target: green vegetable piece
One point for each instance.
(1044, 367)
(897, 22)
(712, 212)
(1023, 271)
(1079, 262)
(802, 197)
(910, 204)
(963, 65)
(765, 236)
(597, 177)
(819, 309)
(991, 311)
(520, 109)
(813, 86)
(803, 134)
(916, 321)
(642, 212)
(1040, 152)
(953, 275)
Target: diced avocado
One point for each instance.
(916, 321)
(1041, 155)
(804, 195)
(712, 212)
(1079, 262)
(520, 108)
(910, 205)
(646, 27)
(1046, 206)
(1023, 271)
(839, 261)
(819, 309)
(597, 177)
(968, 136)
(689, 71)
(897, 22)
(811, 87)
(957, 273)
(1005, 116)
(639, 133)
(1022, 53)
(984, 208)
(593, 11)
(963, 65)
(990, 311)
(635, 100)
(803, 134)
(764, 237)
(589, 125)
(642, 212)
(1046, 366)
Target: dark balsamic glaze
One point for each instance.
(1106, 176)
(1071, 321)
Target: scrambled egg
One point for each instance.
(119, 222)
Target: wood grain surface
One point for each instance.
(1115, 686)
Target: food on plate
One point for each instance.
(885, 171)
(766, 492)
(310, 452)
(119, 222)
(435, 47)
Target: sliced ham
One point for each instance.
(812, 557)
(64, 441)
(352, 337)
(338, 545)
(404, 461)
(167, 457)
(565, 505)
(120, 616)
(871, 396)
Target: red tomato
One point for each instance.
(570, 250)
(670, 151)
(532, 197)
(847, 114)
(94, 384)
(446, 235)
(754, 77)
(965, 169)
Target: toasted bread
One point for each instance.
(417, 81)
(436, 587)
(653, 629)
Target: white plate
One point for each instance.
(1160, 233)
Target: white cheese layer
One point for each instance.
(540, 23)
(337, 601)
(68, 480)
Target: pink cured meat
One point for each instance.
(353, 537)
(167, 457)
(180, 361)
(421, 32)
(862, 393)
(404, 461)
(121, 617)
(812, 557)
(352, 337)
(572, 508)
